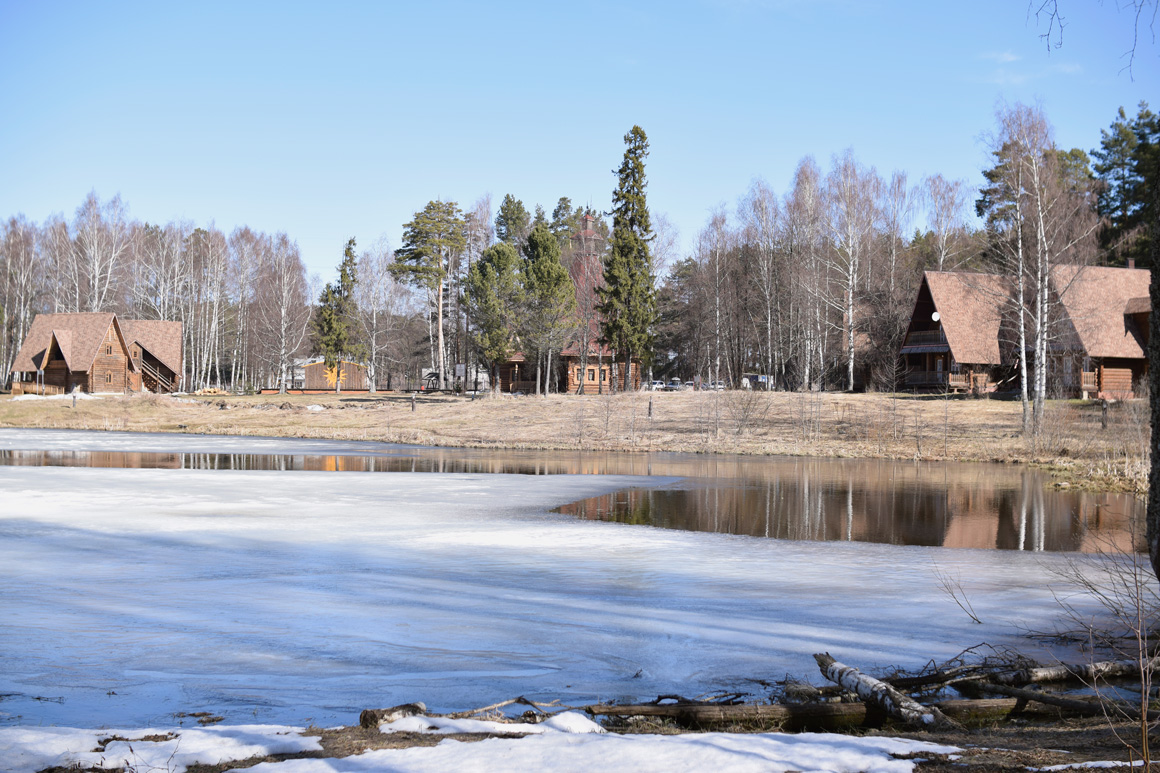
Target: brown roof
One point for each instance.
(159, 338)
(79, 335)
(1096, 301)
(970, 310)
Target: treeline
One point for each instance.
(813, 286)
(244, 299)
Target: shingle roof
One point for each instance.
(970, 310)
(80, 334)
(1096, 300)
(159, 338)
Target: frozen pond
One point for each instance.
(1006, 507)
(133, 593)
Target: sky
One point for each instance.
(332, 120)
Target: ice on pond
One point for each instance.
(299, 598)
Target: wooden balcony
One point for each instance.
(1090, 381)
(926, 338)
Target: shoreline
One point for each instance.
(1074, 447)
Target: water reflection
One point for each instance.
(952, 505)
(900, 504)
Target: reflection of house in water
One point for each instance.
(959, 506)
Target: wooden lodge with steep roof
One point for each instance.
(97, 352)
(962, 334)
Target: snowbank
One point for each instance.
(29, 749)
(570, 753)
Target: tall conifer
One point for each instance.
(627, 299)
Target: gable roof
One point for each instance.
(1099, 303)
(80, 336)
(970, 308)
(159, 338)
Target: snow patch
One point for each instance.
(566, 722)
(29, 749)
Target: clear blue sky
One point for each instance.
(331, 120)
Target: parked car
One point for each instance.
(674, 385)
(690, 385)
(656, 386)
(718, 385)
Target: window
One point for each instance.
(109, 349)
(603, 373)
(592, 374)
(579, 374)
(109, 377)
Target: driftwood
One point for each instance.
(1085, 672)
(878, 693)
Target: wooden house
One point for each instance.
(1101, 349)
(97, 352)
(518, 375)
(963, 333)
(953, 340)
(155, 347)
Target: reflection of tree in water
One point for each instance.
(1023, 516)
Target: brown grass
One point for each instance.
(1073, 444)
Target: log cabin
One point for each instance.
(97, 352)
(962, 334)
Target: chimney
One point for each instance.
(1131, 262)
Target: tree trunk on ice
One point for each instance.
(880, 694)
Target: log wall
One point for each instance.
(110, 371)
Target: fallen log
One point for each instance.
(1084, 672)
(1086, 708)
(810, 716)
(878, 693)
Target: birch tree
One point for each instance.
(851, 192)
(383, 308)
(283, 314)
(945, 201)
(101, 242)
(22, 274)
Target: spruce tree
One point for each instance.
(627, 300)
(333, 319)
(512, 222)
(549, 299)
(495, 298)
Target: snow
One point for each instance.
(564, 753)
(69, 396)
(564, 722)
(29, 749)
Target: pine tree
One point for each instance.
(333, 320)
(432, 241)
(495, 298)
(1127, 167)
(627, 299)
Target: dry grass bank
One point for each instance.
(1074, 443)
